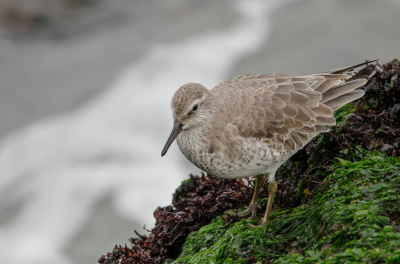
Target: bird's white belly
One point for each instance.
(255, 157)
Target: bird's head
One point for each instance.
(191, 107)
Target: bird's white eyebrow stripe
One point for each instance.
(197, 101)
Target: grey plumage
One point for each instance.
(251, 124)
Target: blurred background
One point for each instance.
(85, 90)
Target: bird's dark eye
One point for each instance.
(195, 107)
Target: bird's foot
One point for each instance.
(252, 209)
(261, 224)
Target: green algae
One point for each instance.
(343, 113)
(349, 221)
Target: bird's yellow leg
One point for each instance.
(272, 188)
(252, 209)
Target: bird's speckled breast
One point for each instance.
(256, 156)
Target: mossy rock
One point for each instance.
(355, 220)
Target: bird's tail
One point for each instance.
(340, 86)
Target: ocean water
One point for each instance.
(53, 172)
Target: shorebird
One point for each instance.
(251, 124)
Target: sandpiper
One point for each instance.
(251, 124)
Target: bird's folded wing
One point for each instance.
(289, 110)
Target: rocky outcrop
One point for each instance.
(338, 199)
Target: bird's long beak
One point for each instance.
(174, 133)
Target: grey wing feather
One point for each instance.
(290, 110)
